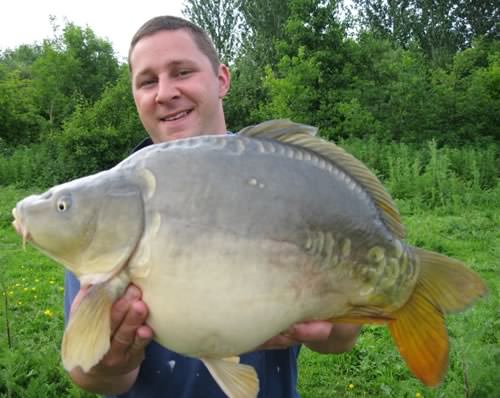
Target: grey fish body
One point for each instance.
(233, 239)
(282, 240)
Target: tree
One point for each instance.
(21, 58)
(439, 27)
(96, 136)
(20, 122)
(477, 18)
(221, 19)
(305, 82)
(265, 22)
(74, 67)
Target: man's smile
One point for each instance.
(175, 116)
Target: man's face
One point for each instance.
(176, 90)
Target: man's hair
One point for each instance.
(168, 22)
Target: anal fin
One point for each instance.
(235, 379)
(87, 336)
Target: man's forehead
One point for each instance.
(169, 48)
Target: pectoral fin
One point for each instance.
(87, 337)
(235, 379)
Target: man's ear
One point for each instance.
(224, 76)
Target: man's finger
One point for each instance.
(121, 307)
(278, 342)
(143, 337)
(310, 331)
(125, 334)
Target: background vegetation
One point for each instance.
(412, 88)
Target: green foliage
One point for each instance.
(294, 96)
(21, 58)
(221, 19)
(430, 177)
(263, 26)
(437, 27)
(245, 94)
(19, 121)
(265, 23)
(75, 66)
(354, 120)
(96, 137)
(390, 92)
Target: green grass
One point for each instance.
(32, 302)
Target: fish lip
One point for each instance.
(175, 114)
(20, 228)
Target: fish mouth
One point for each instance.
(20, 228)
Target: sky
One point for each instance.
(27, 21)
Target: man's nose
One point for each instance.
(167, 90)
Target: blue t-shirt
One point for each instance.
(166, 374)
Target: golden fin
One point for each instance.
(447, 282)
(444, 285)
(420, 335)
(87, 337)
(236, 380)
(301, 135)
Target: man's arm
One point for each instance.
(119, 368)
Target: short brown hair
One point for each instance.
(169, 22)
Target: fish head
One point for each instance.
(91, 225)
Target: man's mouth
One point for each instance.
(175, 116)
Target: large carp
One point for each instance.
(234, 238)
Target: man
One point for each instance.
(178, 86)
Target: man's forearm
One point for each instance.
(100, 384)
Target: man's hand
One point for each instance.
(320, 336)
(119, 367)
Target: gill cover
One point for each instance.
(119, 225)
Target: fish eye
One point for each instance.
(63, 204)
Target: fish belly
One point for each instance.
(225, 302)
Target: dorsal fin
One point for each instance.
(274, 129)
(302, 136)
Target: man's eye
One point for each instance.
(184, 72)
(146, 82)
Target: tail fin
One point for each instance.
(445, 285)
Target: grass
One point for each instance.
(32, 306)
